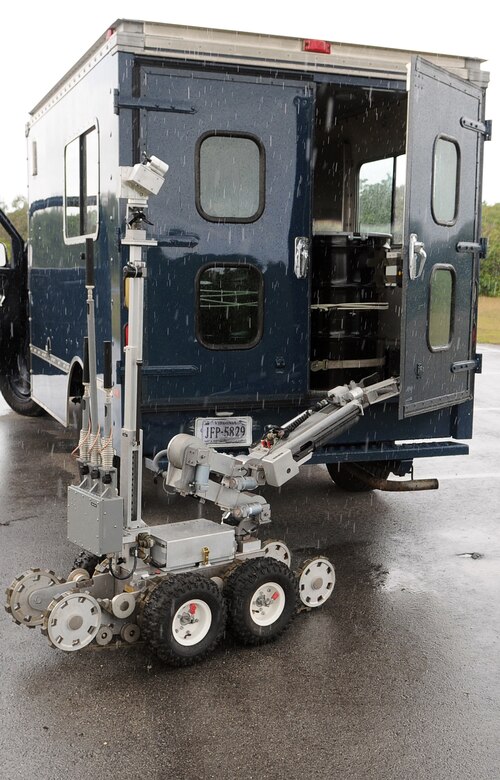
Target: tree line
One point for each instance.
(489, 277)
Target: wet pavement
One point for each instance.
(397, 676)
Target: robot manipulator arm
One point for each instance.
(191, 466)
(198, 470)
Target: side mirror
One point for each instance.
(4, 260)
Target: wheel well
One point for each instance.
(74, 394)
(75, 382)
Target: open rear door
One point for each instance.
(13, 294)
(444, 155)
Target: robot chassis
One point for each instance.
(177, 585)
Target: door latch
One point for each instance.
(302, 255)
(417, 258)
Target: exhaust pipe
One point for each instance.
(391, 485)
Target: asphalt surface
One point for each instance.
(397, 676)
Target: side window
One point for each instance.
(441, 308)
(81, 187)
(230, 172)
(381, 196)
(229, 306)
(445, 180)
(6, 252)
(10, 248)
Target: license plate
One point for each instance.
(224, 431)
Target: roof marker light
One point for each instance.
(321, 47)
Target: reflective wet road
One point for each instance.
(396, 677)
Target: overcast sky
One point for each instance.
(41, 41)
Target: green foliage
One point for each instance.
(18, 215)
(489, 276)
(375, 202)
(375, 208)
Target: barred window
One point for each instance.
(230, 306)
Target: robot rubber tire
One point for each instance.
(183, 619)
(262, 600)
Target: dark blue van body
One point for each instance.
(275, 276)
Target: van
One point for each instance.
(320, 224)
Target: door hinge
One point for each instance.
(468, 365)
(483, 128)
(179, 107)
(468, 246)
(480, 248)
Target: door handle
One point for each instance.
(302, 256)
(418, 256)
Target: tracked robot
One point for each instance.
(176, 585)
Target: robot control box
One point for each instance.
(95, 523)
(192, 542)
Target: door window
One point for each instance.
(441, 307)
(81, 187)
(445, 180)
(230, 306)
(230, 177)
(6, 253)
(381, 196)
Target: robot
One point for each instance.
(179, 585)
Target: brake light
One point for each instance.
(125, 336)
(320, 47)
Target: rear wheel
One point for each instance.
(15, 386)
(347, 479)
(262, 600)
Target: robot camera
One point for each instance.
(147, 177)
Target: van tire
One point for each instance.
(16, 390)
(345, 479)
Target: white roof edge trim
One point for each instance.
(257, 49)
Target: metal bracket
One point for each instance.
(483, 128)
(326, 365)
(150, 105)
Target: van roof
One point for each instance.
(256, 50)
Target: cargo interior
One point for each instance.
(358, 194)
